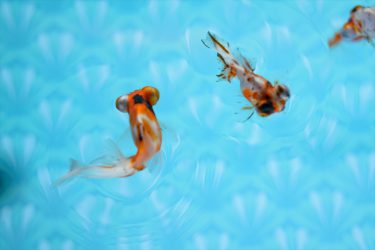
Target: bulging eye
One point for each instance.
(122, 103)
(151, 95)
(283, 91)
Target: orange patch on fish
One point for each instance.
(247, 93)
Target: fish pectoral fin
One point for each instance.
(154, 165)
(163, 126)
(247, 108)
(248, 118)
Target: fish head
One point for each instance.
(275, 101)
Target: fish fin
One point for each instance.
(115, 149)
(224, 56)
(126, 135)
(124, 169)
(171, 136)
(247, 108)
(212, 42)
(163, 126)
(64, 178)
(251, 114)
(369, 39)
(105, 159)
(74, 164)
(74, 168)
(154, 165)
(227, 72)
(205, 43)
(371, 42)
(244, 61)
(113, 155)
(337, 38)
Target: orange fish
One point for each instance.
(145, 127)
(265, 97)
(361, 25)
(146, 135)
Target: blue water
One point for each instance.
(300, 179)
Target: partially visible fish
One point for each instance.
(360, 26)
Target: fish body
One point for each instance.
(265, 97)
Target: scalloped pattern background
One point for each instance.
(301, 179)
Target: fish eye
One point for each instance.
(151, 95)
(122, 103)
(282, 91)
(266, 108)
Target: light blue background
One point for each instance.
(300, 179)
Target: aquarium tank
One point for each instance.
(224, 178)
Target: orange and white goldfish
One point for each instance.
(361, 25)
(263, 96)
(146, 135)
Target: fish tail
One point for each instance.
(122, 169)
(230, 64)
(74, 170)
(335, 40)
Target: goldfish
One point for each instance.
(146, 134)
(264, 97)
(361, 25)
